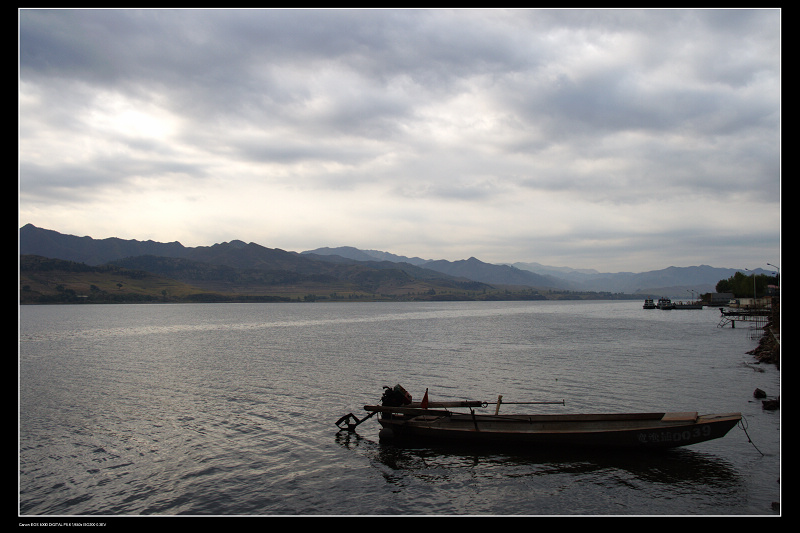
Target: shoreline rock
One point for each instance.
(769, 349)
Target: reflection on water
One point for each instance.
(538, 481)
(681, 465)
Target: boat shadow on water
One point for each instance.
(664, 466)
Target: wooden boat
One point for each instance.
(431, 421)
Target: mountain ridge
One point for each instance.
(237, 268)
(671, 281)
(676, 282)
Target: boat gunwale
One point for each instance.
(666, 416)
(650, 433)
(496, 422)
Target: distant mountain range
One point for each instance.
(674, 282)
(232, 268)
(240, 266)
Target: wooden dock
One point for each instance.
(754, 317)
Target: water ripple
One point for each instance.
(230, 409)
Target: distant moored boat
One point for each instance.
(665, 303)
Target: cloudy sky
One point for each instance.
(609, 139)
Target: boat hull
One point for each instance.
(641, 430)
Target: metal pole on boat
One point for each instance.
(500, 401)
(556, 402)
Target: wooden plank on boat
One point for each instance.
(431, 405)
(680, 417)
(441, 405)
(406, 410)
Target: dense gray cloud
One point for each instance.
(609, 139)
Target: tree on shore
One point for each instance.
(741, 285)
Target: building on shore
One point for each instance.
(716, 299)
(750, 303)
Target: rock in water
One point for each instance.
(770, 405)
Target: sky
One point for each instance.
(617, 140)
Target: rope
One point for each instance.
(743, 424)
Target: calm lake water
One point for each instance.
(227, 410)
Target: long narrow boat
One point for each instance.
(430, 421)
